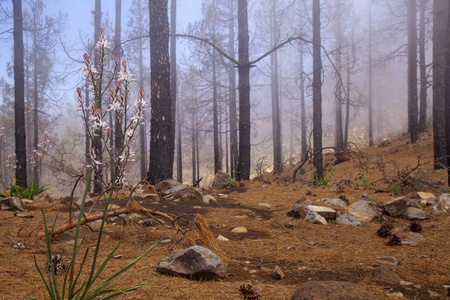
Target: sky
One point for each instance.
(80, 20)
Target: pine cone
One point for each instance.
(249, 292)
(394, 240)
(415, 227)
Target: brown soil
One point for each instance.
(303, 251)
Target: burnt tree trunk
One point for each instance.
(317, 91)
(244, 93)
(161, 138)
(338, 92)
(370, 78)
(35, 179)
(423, 69)
(173, 82)
(217, 158)
(19, 97)
(302, 107)
(234, 153)
(98, 175)
(440, 17)
(412, 72)
(447, 93)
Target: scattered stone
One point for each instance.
(239, 230)
(277, 273)
(113, 207)
(168, 186)
(385, 143)
(387, 275)
(365, 211)
(165, 241)
(413, 213)
(326, 212)
(208, 199)
(222, 238)
(23, 215)
(11, 203)
(118, 256)
(423, 203)
(187, 193)
(328, 290)
(425, 196)
(315, 218)
(397, 294)
(442, 208)
(220, 179)
(27, 201)
(335, 203)
(388, 260)
(298, 211)
(409, 243)
(291, 248)
(42, 197)
(146, 197)
(410, 203)
(416, 236)
(197, 207)
(265, 205)
(195, 262)
(347, 219)
(396, 207)
(253, 271)
(406, 283)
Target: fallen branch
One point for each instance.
(132, 207)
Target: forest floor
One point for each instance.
(302, 250)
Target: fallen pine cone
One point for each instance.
(394, 240)
(384, 231)
(249, 292)
(415, 227)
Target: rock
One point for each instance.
(410, 203)
(397, 294)
(347, 219)
(146, 197)
(413, 213)
(41, 197)
(265, 205)
(298, 211)
(187, 194)
(23, 215)
(365, 211)
(165, 186)
(396, 207)
(442, 207)
(425, 196)
(208, 199)
(335, 203)
(277, 273)
(222, 238)
(239, 230)
(195, 262)
(388, 260)
(416, 236)
(219, 180)
(315, 218)
(387, 275)
(385, 143)
(409, 243)
(27, 201)
(89, 201)
(331, 290)
(11, 203)
(325, 212)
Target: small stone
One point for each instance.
(409, 243)
(23, 215)
(425, 196)
(387, 275)
(253, 271)
(239, 230)
(222, 238)
(166, 241)
(315, 218)
(347, 219)
(208, 199)
(11, 203)
(406, 283)
(277, 273)
(397, 294)
(113, 206)
(291, 248)
(416, 236)
(326, 212)
(265, 205)
(27, 201)
(118, 256)
(396, 207)
(197, 207)
(388, 260)
(413, 213)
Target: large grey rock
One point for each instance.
(11, 203)
(167, 186)
(365, 211)
(220, 179)
(331, 290)
(315, 218)
(442, 207)
(413, 213)
(326, 212)
(396, 207)
(42, 197)
(195, 262)
(335, 203)
(347, 219)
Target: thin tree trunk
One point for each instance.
(173, 73)
(217, 161)
(244, 93)
(317, 91)
(303, 108)
(193, 146)
(412, 71)
(118, 135)
(423, 69)
(347, 106)
(439, 51)
(98, 175)
(338, 95)
(161, 133)
(234, 154)
(179, 145)
(19, 97)
(143, 125)
(370, 78)
(35, 106)
(447, 93)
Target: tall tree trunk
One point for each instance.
(370, 77)
(338, 95)
(439, 47)
(348, 100)
(179, 145)
(35, 105)
(193, 146)
(19, 96)
(447, 93)
(143, 125)
(423, 69)
(276, 123)
(173, 78)
(87, 139)
(412, 71)
(244, 93)
(161, 138)
(302, 107)
(98, 176)
(217, 160)
(317, 91)
(234, 153)
(118, 135)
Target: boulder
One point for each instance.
(365, 211)
(424, 195)
(442, 207)
(298, 211)
(195, 262)
(42, 197)
(387, 275)
(315, 218)
(187, 193)
(396, 207)
(326, 212)
(347, 219)
(220, 179)
(146, 197)
(335, 203)
(413, 213)
(11, 203)
(331, 290)
(166, 187)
